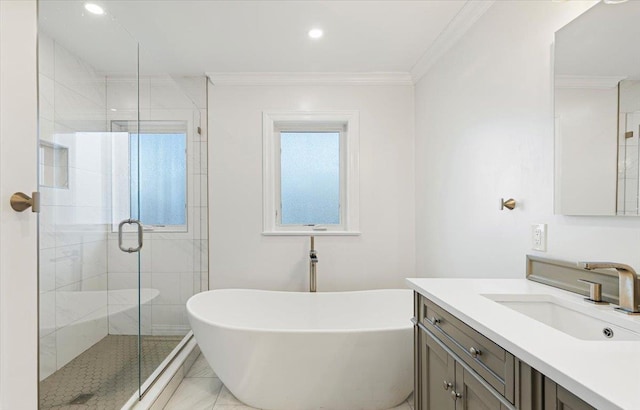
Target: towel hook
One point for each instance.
(509, 203)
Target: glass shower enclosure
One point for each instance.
(123, 221)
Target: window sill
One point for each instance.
(311, 233)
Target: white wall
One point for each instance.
(484, 130)
(18, 231)
(242, 257)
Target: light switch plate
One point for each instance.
(539, 237)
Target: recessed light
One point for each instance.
(315, 33)
(94, 8)
(114, 109)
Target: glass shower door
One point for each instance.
(88, 287)
(170, 154)
(122, 228)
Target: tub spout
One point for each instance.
(313, 261)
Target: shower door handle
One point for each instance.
(130, 222)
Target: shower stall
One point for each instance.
(123, 219)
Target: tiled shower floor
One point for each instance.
(108, 370)
(202, 390)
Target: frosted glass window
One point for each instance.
(310, 178)
(159, 178)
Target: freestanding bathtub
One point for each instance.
(299, 351)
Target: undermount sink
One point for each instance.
(566, 316)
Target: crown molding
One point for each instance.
(298, 78)
(457, 27)
(588, 82)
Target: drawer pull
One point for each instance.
(455, 395)
(447, 385)
(474, 352)
(435, 320)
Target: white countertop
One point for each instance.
(606, 374)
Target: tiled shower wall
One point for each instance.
(73, 242)
(79, 255)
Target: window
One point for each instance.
(150, 174)
(310, 178)
(158, 178)
(310, 173)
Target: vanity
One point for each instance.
(530, 343)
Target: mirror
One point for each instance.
(597, 112)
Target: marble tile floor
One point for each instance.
(107, 373)
(202, 390)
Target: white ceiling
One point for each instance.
(193, 37)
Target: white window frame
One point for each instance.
(345, 122)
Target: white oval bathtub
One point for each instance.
(298, 351)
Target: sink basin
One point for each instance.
(584, 322)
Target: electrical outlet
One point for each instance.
(539, 237)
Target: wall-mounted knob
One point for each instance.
(21, 201)
(509, 203)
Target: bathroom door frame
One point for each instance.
(18, 231)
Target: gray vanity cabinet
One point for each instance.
(446, 384)
(473, 394)
(558, 398)
(448, 376)
(438, 374)
(537, 392)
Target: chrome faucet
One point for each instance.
(313, 261)
(628, 284)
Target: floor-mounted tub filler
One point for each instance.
(299, 351)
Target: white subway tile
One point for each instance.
(169, 315)
(47, 356)
(169, 286)
(68, 265)
(123, 319)
(123, 262)
(46, 98)
(118, 281)
(187, 288)
(47, 269)
(94, 258)
(46, 56)
(74, 301)
(172, 256)
(47, 316)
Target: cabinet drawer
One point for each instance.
(492, 363)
